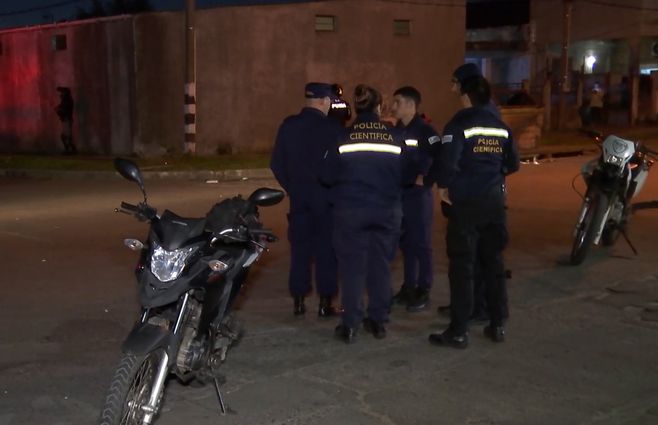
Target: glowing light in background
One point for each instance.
(590, 60)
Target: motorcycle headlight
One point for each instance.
(168, 265)
(614, 159)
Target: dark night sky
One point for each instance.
(492, 13)
(57, 10)
(480, 13)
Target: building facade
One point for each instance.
(127, 73)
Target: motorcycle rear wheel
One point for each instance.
(130, 389)
(587, 230)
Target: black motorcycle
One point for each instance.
(189, 272)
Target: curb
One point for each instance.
(550, 152)
(547, 152)
(208, 175)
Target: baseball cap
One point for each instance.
(466, 71)
(319, 90)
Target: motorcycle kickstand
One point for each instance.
(222, 406)
(628, 241)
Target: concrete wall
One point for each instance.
(127, 73)
(98, 67)
(159, 69)
(253, 62)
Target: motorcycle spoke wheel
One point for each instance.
(130, 389)
(587, 230)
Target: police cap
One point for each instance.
(319, 90)
(465, 72)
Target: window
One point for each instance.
(325, 23)
(402, 27)
(59, 42)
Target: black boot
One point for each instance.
(376, 329)
(299, 308)
(495, 333)
(403, 296)
(449, 338)
(420, 301)
(345, 334)
(326, 309)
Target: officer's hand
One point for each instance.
(420, 180)
(444, 195)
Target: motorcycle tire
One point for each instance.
(130, 389)
(587, 230)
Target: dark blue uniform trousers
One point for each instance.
(365, 240)
(310, 234)
(476, 232)
(416, 240)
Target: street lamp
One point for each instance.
(590, 60)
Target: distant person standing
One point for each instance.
(299, 149)
(65, 113)
(596, 104)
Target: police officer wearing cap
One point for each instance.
(461, 75)
(417, 203)
(465, 72)
(477, 152)
(365, 174)
(340, 109)
(299, 149)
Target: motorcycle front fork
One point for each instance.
(583, 213)
(163, 368)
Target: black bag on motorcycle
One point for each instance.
(231, 213)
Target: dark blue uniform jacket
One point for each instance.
(299, 151)
(477, 152)
(365, 169)
(420, 140)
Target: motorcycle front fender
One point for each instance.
(145, 338)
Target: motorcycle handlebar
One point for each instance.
(243, 234)
(129, 207)
(269, 235)
(142, 211)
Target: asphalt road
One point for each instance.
(582, 343)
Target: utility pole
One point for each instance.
(567, 6)
(190, 79)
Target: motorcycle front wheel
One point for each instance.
(130, 389)
(587, 228)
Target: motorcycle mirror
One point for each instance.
(130, 171)
(265, 197)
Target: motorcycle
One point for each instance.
(189, 272)
(613, 180)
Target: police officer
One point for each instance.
(299, 149)
(365, 173)
(417, 202)
(461, 75)
(477, 152)
(340, 109)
